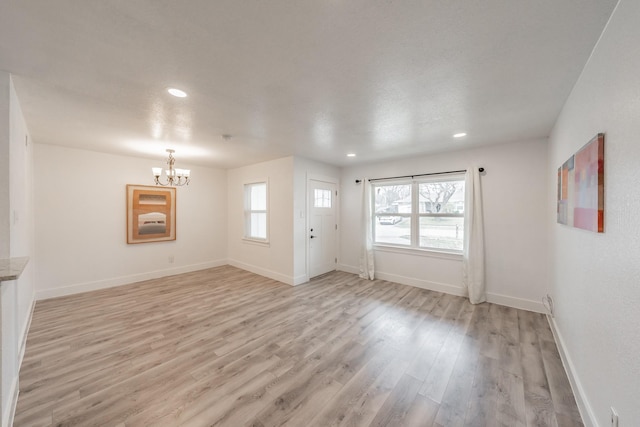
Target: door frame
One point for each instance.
(309, 201)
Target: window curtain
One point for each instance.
(367, 267)
(473, 254)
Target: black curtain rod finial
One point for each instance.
(480, 170)
(358, 181)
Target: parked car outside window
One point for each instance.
(389, 220)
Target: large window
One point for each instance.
(425, 214)
(255, 211)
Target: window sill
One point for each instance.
(256, 242)
(453, 255)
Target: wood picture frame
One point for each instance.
(151, 214)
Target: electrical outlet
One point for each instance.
(614, 417)
(170, 259)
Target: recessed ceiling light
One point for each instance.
(177, 92)
(459, 135)
(351, 155)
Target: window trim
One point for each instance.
(414, 246)
(247, 213)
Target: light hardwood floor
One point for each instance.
(226, 347)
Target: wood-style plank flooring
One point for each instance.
(225, 347)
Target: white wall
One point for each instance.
(303, 169)
(5, 83)
(595, 278)
(275, 259)
(80, 220)
(514, 197)
(284, 258)
(17, 296)
(22, 224)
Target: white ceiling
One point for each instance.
(316, 78)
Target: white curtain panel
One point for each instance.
(473, 255)
(367, 267)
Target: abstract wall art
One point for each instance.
(151, 214)
(581, 188)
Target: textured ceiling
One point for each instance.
(321, 78)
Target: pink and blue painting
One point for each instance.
(581, 188)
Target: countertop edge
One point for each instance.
(12, 268)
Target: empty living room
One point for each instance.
(328, 213)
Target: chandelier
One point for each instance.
(174, 177)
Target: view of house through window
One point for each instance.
(255, 211)
(420, 214)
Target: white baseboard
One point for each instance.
(10, 411)
(514, 302)
(124, 280)
(289, 280)
(422, 284)
(348, 268)
(299, 280)
(446, 288)
(411, 281)
(586, 411)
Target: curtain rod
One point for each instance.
(358, 181)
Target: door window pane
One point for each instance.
(321, 198)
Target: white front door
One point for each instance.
(322, 227)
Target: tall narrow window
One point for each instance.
(255, 211)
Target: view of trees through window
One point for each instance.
(437, 212)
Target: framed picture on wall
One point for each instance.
(581, 188)
(588, 210)
(151, 214)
